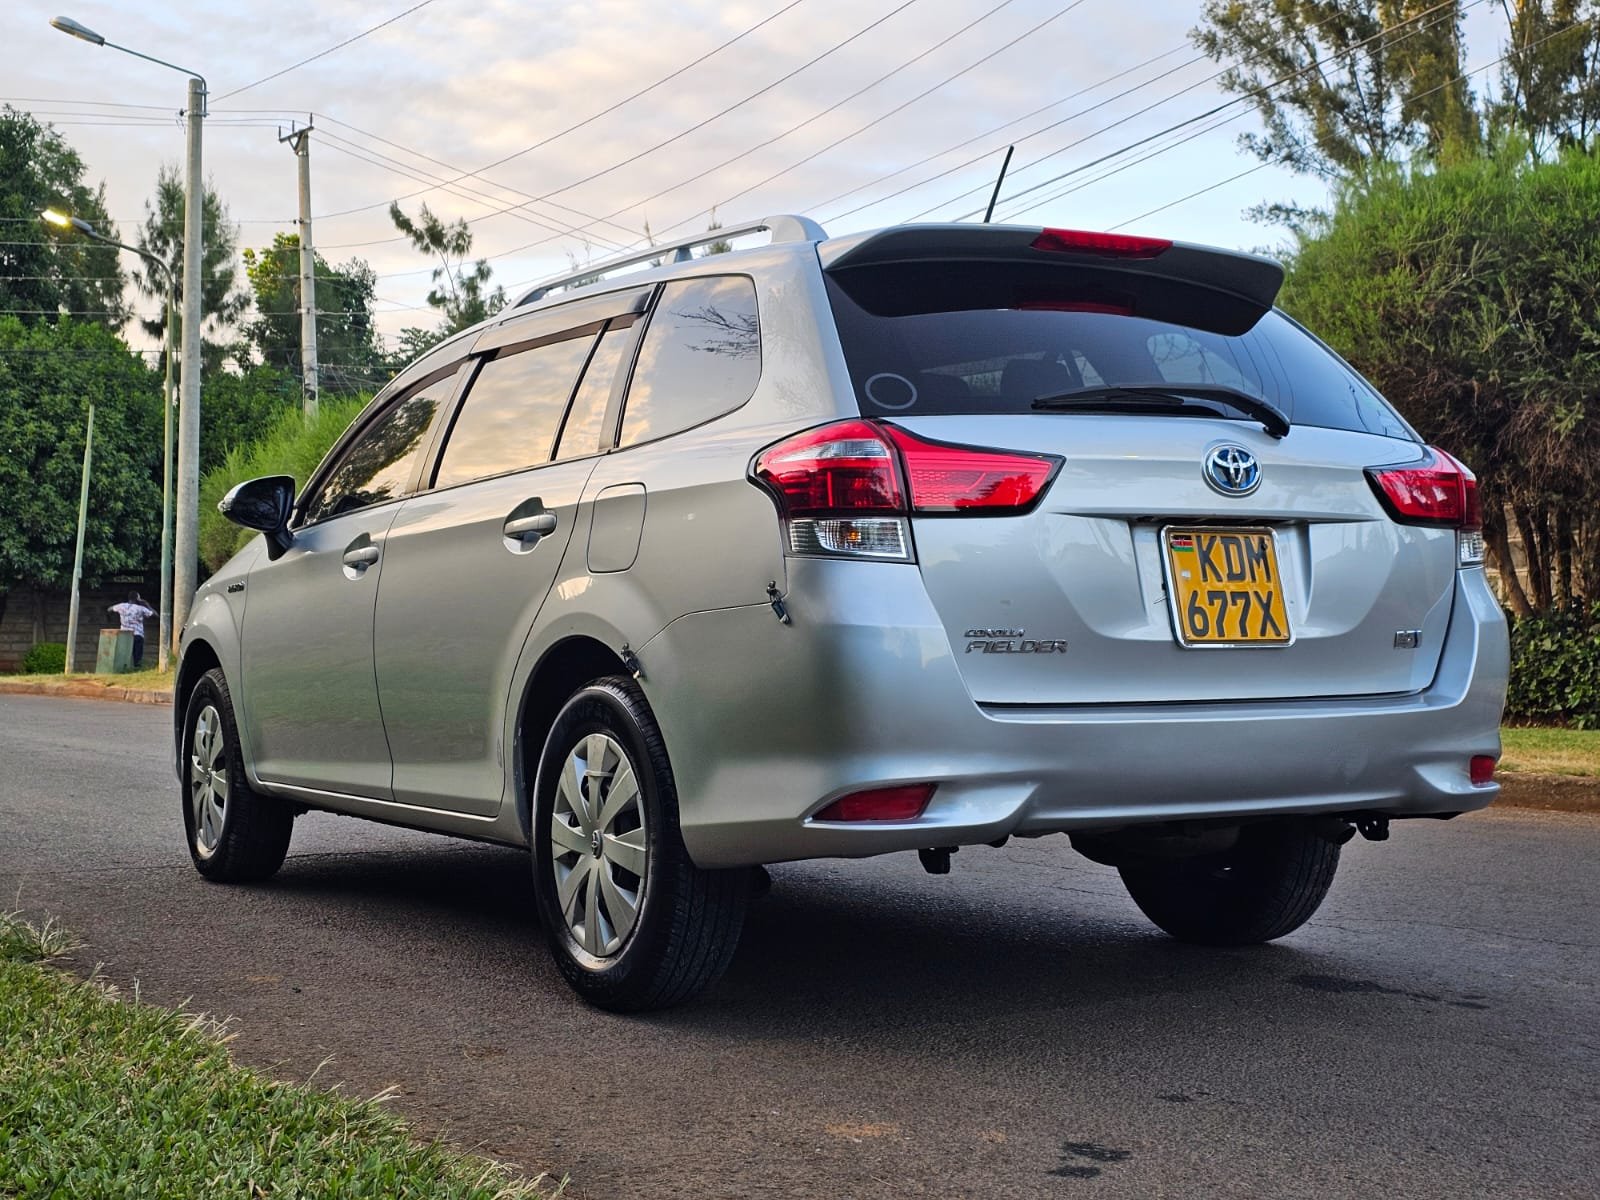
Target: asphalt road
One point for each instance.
(1014, 1028)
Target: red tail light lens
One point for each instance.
(1107, 245)
(1481, 769)
(846, 489)
(847, 468)
(1438, 491)
(903, 803)
(960, 479)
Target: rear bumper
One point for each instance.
(861, 691)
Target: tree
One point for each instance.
(1550, 83)
(1470, 294)
(49, 375)
(461, 293)
(162, 235)
(349, 356)
(240, 406)
(1364, 82)
(44, 271)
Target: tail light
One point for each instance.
(848, 489)
(1480, 770)
(1439, 491)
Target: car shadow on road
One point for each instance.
(834, 941)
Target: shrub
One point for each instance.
(294, 445)
(1555, 667)
(46, 658)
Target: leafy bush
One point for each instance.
(1555, 667)
(47, 658)
(293, 445)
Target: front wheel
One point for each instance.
(235, 833)
(632, 923)
(1266, 885)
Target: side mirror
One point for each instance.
(263, 504)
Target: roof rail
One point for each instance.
(784, 227)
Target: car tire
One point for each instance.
(235, 834)
(632, 923)
(1267, 885)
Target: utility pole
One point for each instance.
(77, 555)
(300, 141)
(186, 547)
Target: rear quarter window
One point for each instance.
(700, 358)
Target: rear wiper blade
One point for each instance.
(1169, 397)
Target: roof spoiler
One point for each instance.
(1243, 277)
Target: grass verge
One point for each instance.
(1547, 751)
(154, 680)
(100, 1096)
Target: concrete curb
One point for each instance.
(88, 691)
(1557, 793)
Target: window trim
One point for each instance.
(622, 410)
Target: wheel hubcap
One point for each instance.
(598, 844)
(208, 779)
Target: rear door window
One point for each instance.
(580, 435)
(701, 357)
(509, 418)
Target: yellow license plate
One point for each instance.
(1224, 587)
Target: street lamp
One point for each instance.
(63, 221)
(186, 535)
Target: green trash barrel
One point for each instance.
(115, 654)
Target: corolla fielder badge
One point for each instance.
(1232, 470)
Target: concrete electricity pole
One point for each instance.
(185, 567)
(300, 142)
(186, 539)
(77, 555)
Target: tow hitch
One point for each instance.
(936, 859)
(1374, 829)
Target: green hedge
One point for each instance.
(1555, 668)
(294, 445)
(46, 658)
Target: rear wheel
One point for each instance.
(631, 921)
(235, 834)
(1266, 885)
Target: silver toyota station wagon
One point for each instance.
(907, 540)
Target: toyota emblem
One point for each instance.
(1232, 470)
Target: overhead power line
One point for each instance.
(698, 125)
(1244, 98)
(1281, 159)
(948, 79)
(632, 233)
(561, 133)
(325, 53)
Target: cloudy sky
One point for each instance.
(586, 120)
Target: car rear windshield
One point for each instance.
(925, 344)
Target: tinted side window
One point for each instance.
(581, 434)
(701, 357)
(509, 419)
(377, 466)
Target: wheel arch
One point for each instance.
(565, 667)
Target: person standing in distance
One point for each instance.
(133, 612)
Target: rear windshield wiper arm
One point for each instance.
(1164, 396)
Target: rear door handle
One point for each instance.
(365, 556)
(536, 525)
